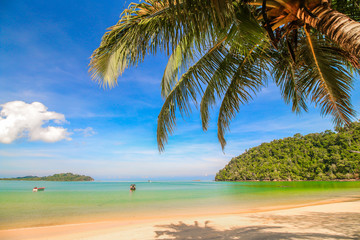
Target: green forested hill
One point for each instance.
(317, 156)
(55, 177)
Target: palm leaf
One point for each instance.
(217, 86)
(349, 7)
(249, 78)
(187, 88)
(146, 28)
(326, 80)
(286, 75)
(183, 56)
(220, 45)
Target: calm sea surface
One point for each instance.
(71, 202)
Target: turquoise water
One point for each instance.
(70, 202)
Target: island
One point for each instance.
(61, 177)
(317, 156)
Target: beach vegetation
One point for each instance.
(317, 156)
(55, 177)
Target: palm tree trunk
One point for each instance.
(337, 26)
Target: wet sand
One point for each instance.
(333, 219)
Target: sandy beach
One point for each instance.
(333, 219)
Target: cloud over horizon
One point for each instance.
(86, 132)
(19, 119)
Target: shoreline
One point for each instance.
(229, 210)
(277, 180)
(209, 180)
(127, 228)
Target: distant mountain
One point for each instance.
(317, 156)
(55, 177)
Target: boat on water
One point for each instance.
(132, 187)
(36, 189)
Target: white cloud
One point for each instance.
(87, 132)
(19, 119)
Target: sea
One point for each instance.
(80, 202)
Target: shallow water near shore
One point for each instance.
(73, 202)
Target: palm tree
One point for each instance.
(222, 51)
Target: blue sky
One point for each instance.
(110, 134)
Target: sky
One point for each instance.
(54, 118)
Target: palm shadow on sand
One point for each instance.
(345, 226)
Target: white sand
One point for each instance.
(327, 220)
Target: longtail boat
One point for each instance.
(36, 189)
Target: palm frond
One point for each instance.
(222, 45)
(349, 7)
(216, 10)
(179, 58)
(243, 29)
(217, 86)
(146, 28)
(183, 57)
(286, 75)
(187, 88)
(219, 82)
(249, 78)
(326, 80)
(244, 32)
(349, 60)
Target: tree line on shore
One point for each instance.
(317, 156)
(55, 177)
